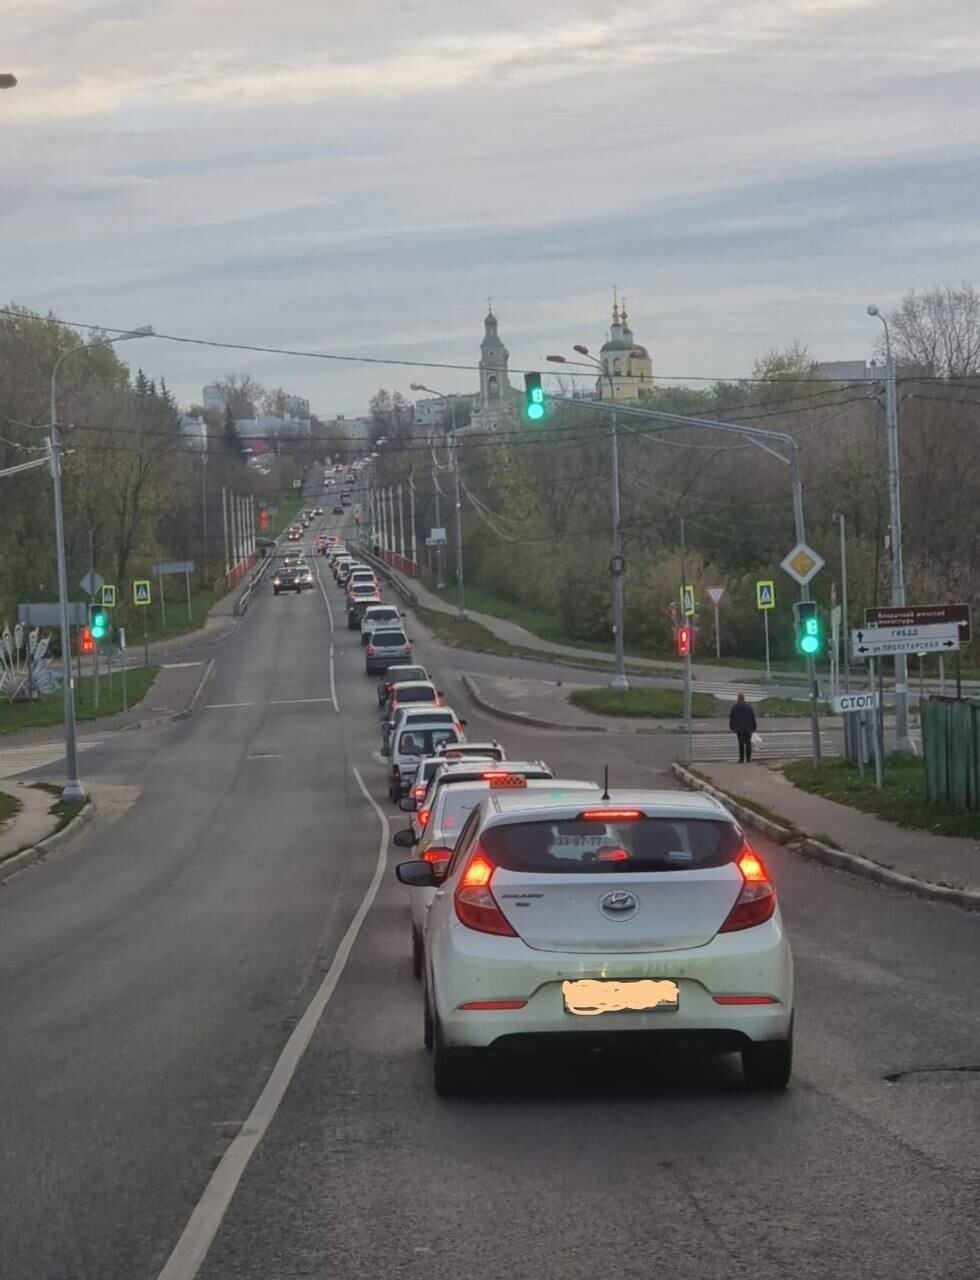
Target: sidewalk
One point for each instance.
(941, 867)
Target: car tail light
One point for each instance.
(476, 907)
(757, 900)
(408, 648)
(437, 854)
(611, 815)
(395, 771)
(423, 817)
(370, 650)
(458, 728)
(491, 1005)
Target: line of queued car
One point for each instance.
(548, 912)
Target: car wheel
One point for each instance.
(275, 590)
(418, 954)
(769, 1064)
(453, 1070)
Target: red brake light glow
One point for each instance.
(611, 815)
(424, 815)
(476, 907)
(506, 781)
(757, 900)
(486, 1006)
(612, 855)
(437, 854)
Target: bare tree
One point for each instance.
(937, 334)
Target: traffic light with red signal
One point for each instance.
(684, 639)
(86, 641)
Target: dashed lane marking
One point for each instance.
(202, 1226)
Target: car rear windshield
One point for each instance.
(382, 615)
(389, 639)
(364, 589)
(415, 695)
(651, 844)
(422, 742)
(397, 674)
(454, 807)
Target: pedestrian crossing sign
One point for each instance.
(765, 594)
(141, 591)
(687, 601)
(108, 596)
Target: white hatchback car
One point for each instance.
(644, 916)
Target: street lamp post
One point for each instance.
(461, 590)
(617, 564)
(895, 531)
(73, 789)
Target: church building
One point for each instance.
(494, 405)
(626, 366)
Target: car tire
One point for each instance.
(275, 591)
(768, 1065)
(426, 1017)
(418, 953)
(453, 1070)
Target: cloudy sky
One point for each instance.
(356, 178)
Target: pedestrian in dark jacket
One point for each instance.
(741, 721)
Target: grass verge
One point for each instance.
(64, 810)
(10, 806)
(662, 703)
(902, 798)
(788, 707)
(49, 710)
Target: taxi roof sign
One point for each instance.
(500, 781)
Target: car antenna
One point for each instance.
(605, 782)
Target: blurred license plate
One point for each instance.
(587, 997)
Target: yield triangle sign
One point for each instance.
(716, 594)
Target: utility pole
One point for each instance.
(440, 578)
(895, 532)
(460, 589)
(688, 693)
(411, 513)
(224, 521)
(401, 521)
(617, 564)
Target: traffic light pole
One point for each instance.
(765, 440)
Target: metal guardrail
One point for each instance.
(386, 572)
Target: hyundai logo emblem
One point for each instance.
(619, 905)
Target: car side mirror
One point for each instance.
(464, 723)
(416, 874)
(405, 839)
(440, 693)
(407, 804)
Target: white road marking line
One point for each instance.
(266, 755)
(202, 1226)
(175, 666)
(333, 682)
(221, 706)
(288, 702)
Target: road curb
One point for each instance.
(773, 830)
(35, 852)
(191, 707)
(839, 859)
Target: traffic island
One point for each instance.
(39, 820)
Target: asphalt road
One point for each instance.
(151, 974)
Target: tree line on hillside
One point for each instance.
(537, 499)
(135, 489)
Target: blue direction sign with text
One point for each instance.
(765, 594)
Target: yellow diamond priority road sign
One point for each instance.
(802, 564)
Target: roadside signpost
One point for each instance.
(866, 700)
(802, 564)
(164, 567)
(716, 595)
(879, 642)
(92, 583)
(765, 599)
(141, 597)
(923, 614)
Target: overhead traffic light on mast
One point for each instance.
(809, 630)
(98, 618)
(535, 404)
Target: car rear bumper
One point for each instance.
(731, 965)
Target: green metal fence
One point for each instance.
(951, 748)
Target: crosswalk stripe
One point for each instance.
(15, 760)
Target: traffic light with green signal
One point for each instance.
(535, 404)
(98, 618)
(809, 629)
